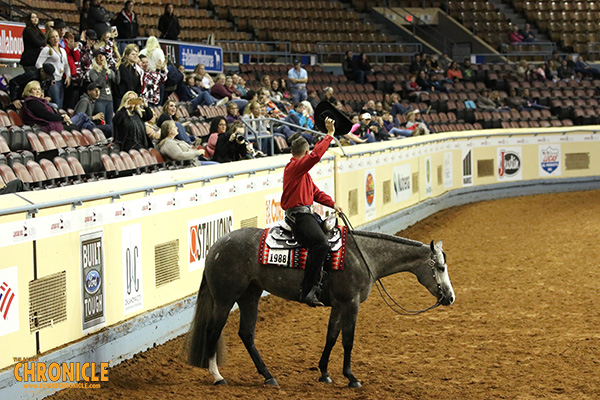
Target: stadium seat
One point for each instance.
(7, 173)
(22, 173)
(58, 140)
(14, 118)
(63, 167)
(36, 172)
(69, 139)
(76, 167)
(46, 141)
(35, 143)
(49, 169)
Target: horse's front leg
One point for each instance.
(349, 316)
(333, 331)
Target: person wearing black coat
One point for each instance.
(98, 18)
(129, 73)
(168, 24)
(33, 42)
(231, 146)
(129, 130)
(44, 75)
(127, 22)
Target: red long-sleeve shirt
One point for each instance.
(298, 186)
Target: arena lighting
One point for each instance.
(409, 18)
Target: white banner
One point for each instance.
(550, 160)
(203, 233)
(510, 163)
(133, 296)
(448, 177)
(402, 183)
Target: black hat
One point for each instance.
(59, 23)
(91, 34)
(326, 109)
(48, 69)
(92, 86)
(97, 52)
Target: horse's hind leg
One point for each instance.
(333, 331)
(248, 304)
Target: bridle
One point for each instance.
(387, 298)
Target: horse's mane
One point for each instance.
(386, 236)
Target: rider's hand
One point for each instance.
(330, 125)
(337, 208)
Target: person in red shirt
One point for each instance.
(299, 193)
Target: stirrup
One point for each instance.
(312, 298)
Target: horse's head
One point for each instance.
(435, 276)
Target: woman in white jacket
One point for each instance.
(53, 54)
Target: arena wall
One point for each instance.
(100, 271)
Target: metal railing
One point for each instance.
(326, 51)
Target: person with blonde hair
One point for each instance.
(37, 111)
(52, 53)
(131, 74)
(174, 149)
(155, 54)
(106, 79)
(129, 128)
(108, 46)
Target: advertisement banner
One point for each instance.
(402, 183)
(203, 233)
(189, 55)
(448, 179)
(91, 246)
(133, 296)
(11, 41)
(428, 178)
(467, 167)
(370, 204)
(510, 166)
(549, 160)
(273, 211)
(9, 300)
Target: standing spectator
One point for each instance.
(86, 105)
(98, 18)
(298, 78)
(152, 80)
(106, 79)
(154, 53)
(351, 70)
(528, 35)
(168, 24)
(33, 42)
(515, 37)
(129, 128)
(454, 73)
(73, 57)
(126, 22)
(61, 28)
(220, 92)
(86, 52)
(108, 46)
(130, 73)
(83, 16)
(56, 56)
(45, 75)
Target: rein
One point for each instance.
(387, 298)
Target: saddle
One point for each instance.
(278, 246)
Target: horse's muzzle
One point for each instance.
(447, 300)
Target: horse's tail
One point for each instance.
(199, 343)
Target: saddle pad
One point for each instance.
(294, 256)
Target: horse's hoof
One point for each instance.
(325, 379)
(354, 384)
(221, 382)
(271, 382)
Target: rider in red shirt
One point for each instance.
(299, 193)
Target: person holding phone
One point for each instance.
(128, 123)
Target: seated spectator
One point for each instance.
(44, 75)
(86, 105)
(565, 71)
(513, 101)
(130, 73)
(168, 24)
(584, 68)
(186, 91)
(364, 66)
(299, 116)
(207, 80)
(467, 71)
(362, 131)
(277, 95)
(551, 71)
(310, 114)
(271, 107)
(177, 150)
(252, 115)
(530, 102)
(397, 107)
(152, 130)
(415, 64)
(454, 73)
(527, 34)
(128, 124)
(369, 107)
(328, 95)
(220, 92)
(152, 79)
(233, 113)
(424, 83)
(170, 113)
(351, 70)
(484, 102)
(106, 79)
(218, 126)
(313, 98)
(387, 102)
(126, 22)
(231, 145)
(418, 127)
(515, 37)
(37, 111)
(413, 90)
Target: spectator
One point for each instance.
(298, 78)
(170, 113)
(361, 131)
(86, 51)
(530, 102)
(109, 47)
(527, 34)
(106, 79)
(198, 97)
(413, 90)
(484, 102)
(152, 130)
(83, 16)
(56, 56)
(415, 64)
(252, 114)
(130, 73)
(328, 95)
(428, 85)
(233, 113)
(14, 186)
(178, 150)
(299, 116)
(387, 102)
(220, 92)
(129, 129)
(231, 87)
(152, 80)
(218, 126)
(207, 80)
(418, 127)
(61, 28)
(515, 37)
(454, 73)
(565, 71)
(231, 145)
(168, 24)
(154, 53)
(351, 69)
(369, 107)
(513, 101)
(551, 71)
(364, 66)
(276, 95)
(313, 98)
(265, 82)
(585, 69)
(86, 105)
(239, 85)
(37, 111)
(98, 18)
(73, 57)
(467, 71)
(33, 42)
(45, 75)
(126, 22)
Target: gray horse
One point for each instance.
(232, 274)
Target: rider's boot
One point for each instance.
(312, 298)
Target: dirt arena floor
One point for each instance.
(525, 324)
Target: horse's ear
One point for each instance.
(439, 244)
(432, 246)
